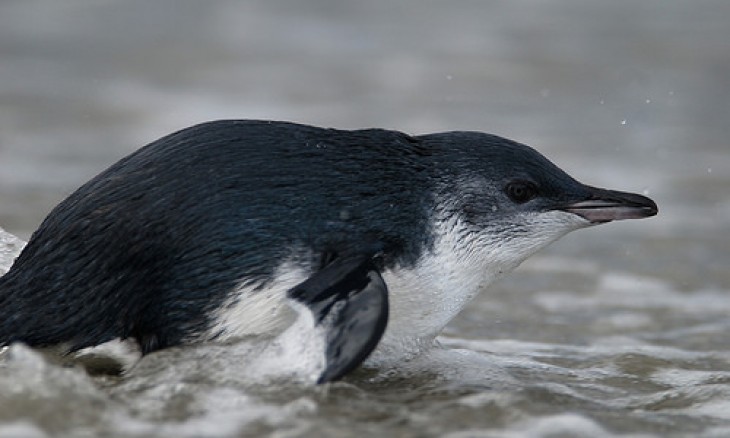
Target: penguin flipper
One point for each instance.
(349, 299)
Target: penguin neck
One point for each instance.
(423, 298)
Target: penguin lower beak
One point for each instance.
(609, 205)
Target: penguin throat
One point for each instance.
(425, 297)
(462, 262)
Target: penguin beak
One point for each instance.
(610, 205)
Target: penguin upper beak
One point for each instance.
(609, 205)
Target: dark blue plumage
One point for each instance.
(150, 246)
(154, 246)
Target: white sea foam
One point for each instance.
(23, 429)
(561, 425)
(10, 247)
(221, 412)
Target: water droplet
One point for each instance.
(449, 77)
(709, 170)
(601, 101)
(648, 101)
(623, 122)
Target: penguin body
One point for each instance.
(229, 228)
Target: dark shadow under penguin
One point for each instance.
(228, 228)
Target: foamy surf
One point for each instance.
(10, 247)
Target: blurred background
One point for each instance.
(621, 93)
(625, 325)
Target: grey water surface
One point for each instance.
(620, 330)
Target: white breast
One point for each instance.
(425, 297)
(463, 262)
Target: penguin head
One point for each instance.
(507, 200)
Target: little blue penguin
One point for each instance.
(230, 228)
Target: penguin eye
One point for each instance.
(521, 191)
